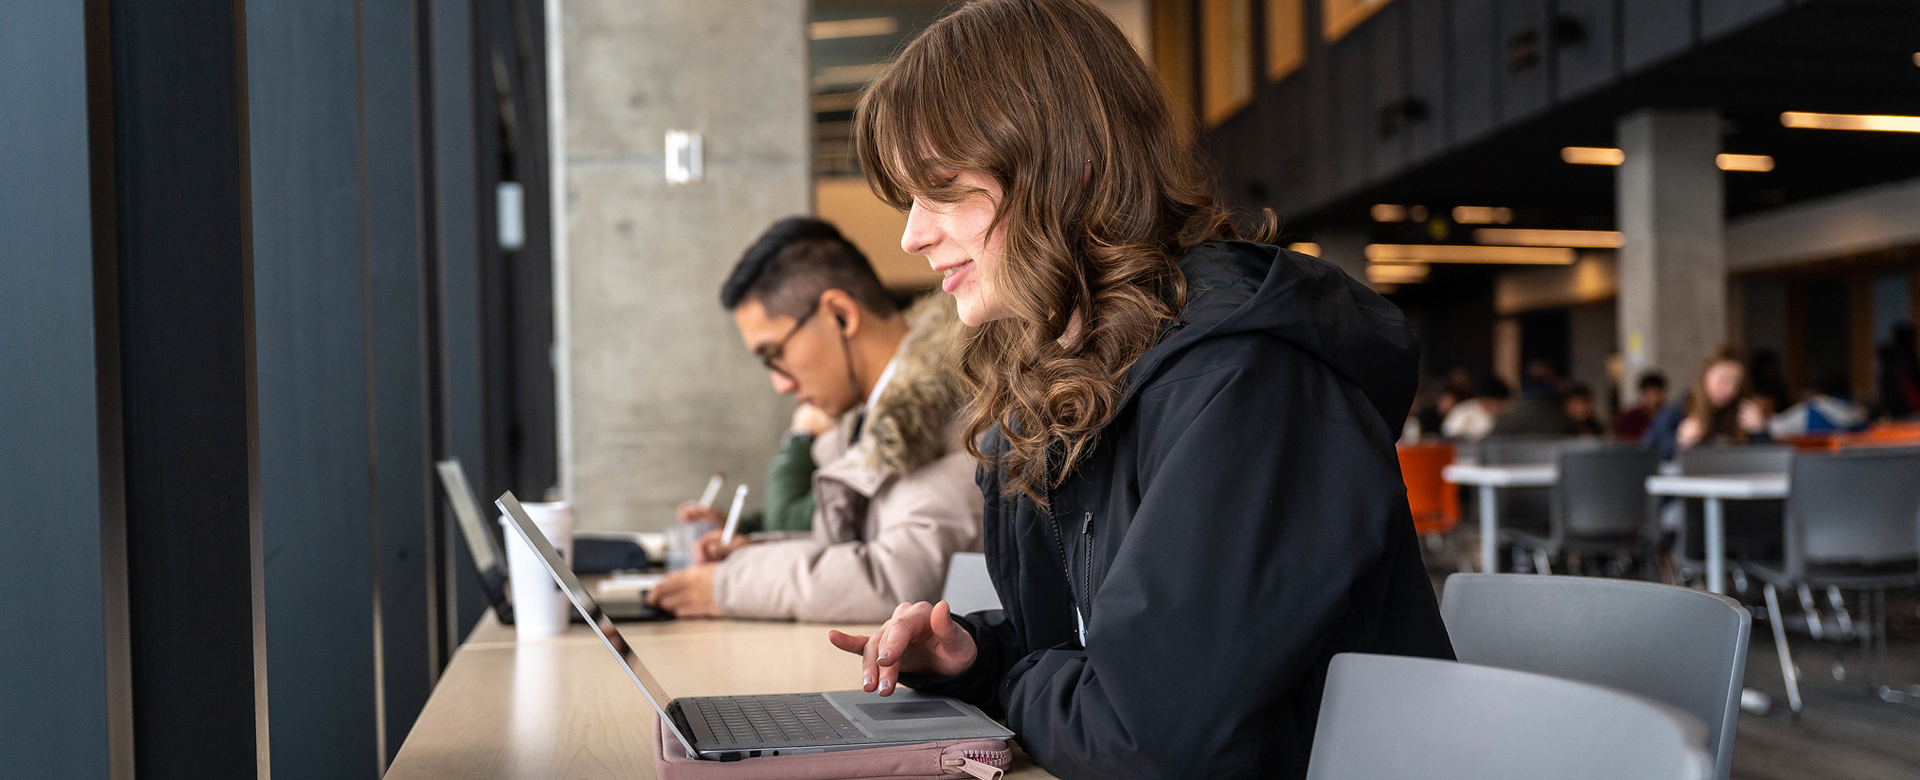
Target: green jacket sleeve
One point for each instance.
(789, 502)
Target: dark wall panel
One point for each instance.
(402, 443)
(1718, 17)
(1389, 128)
(312, 341)
(1353, 106)
(1582, 65)
(53, 660)
(458, 294)
(1428, 31)
(1476, 96)
(1653, 30)
(1524, 49)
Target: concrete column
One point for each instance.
(1673, 266)
(656, 391)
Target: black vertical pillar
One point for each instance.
(186, 372)
(391, 116)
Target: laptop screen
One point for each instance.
(583, 601)
(466, 511)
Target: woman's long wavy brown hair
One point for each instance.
(1102, 196)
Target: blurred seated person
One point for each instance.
(1537, 412)
(1721, 409)
(1472, 419)
(1826, 410)
(894, 495)
(1577, 406)
(789, 495)
(1900, 373)
(1632, 424)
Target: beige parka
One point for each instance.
(889, 509)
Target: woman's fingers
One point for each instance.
(852, 643)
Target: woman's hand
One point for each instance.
(808, 419)
(1692, 430)
(1753, 416)
(921, 637)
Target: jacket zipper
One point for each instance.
(1086, 565)
(1059, 543)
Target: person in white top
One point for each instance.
(1472, 419)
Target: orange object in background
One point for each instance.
(1435, 504)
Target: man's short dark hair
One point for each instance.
(1653, 380)
(1578, 390)
(795, 261)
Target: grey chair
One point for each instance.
(1753, 528)
(1849, 527)
(1599, 505)
(969, 588)
(1394, 718)
(1522, 507)
(1684, 648)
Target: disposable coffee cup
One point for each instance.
(681, 539)
(540, 610)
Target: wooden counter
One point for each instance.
(563, 708)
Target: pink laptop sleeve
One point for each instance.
(986, 759)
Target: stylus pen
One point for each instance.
(713, 489)
(733, 515)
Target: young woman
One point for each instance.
(1192, 496)
(1721, 409)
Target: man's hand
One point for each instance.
(808, 419)
(921, 637)
(687, 593)
(693, 512)
(710, 550)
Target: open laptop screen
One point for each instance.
(583, 601)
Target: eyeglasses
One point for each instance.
(770, 356)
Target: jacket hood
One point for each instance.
(909, 426)
(1236, 287)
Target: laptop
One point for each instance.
(491, 563)
(730, 728)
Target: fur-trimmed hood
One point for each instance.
(912, 422)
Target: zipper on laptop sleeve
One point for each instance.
(983, 764)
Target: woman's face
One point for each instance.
(1722, 382)
(953, 238)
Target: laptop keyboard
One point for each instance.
(780, 718)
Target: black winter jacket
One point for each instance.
(1240, 521)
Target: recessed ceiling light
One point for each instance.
(1583, 239)
(1593, 155)
(853, 28)
(1397, 273)
(1464, 253)
(1388, 212)
(1482, 215)
(1876, 122)
(1756, 163)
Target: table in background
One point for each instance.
(1713, 489)
(1490, 479)
(563, 707)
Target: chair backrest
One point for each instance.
(1603, 489)
(1434, 503)
(1753, 528)
(969, 589)
(1395, 718)
(1685, 648)
(1522, 507)
(1854, 506)
(1737, 459)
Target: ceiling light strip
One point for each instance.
(1463, 253)
(1582, 239)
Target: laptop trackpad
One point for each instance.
(911, 710)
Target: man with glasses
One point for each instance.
(894, 494)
